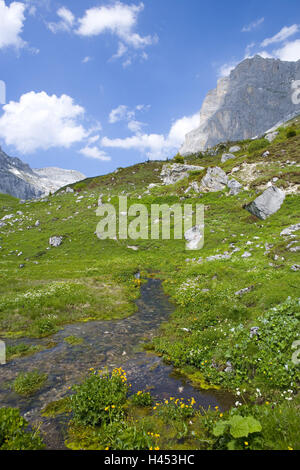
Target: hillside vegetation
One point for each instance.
(236, 319)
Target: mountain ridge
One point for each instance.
(255, 97)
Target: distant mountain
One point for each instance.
(19, 180)
(254, 98)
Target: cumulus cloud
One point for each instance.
(65, 23)
(12, 20)
(39, 122)
(157, 146)
(94, 152)
(253, 25)
(284, 33)
(289, 52)
(119, 19)
(124, 113)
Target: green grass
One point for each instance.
(87, 279)
(28, 383)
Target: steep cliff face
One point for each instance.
(19, 180)
(255, 97)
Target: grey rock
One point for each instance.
(244, 291)
(271, 136)
(234, 186)
(235, 149)
(266, 154)
(219, 257)
(295, 268)
(253, 100)
(254, 331)
(267, 203)
(227, 156)
(171, 173)
(290, 230)
(69, 190)
(214, 180)
(194, 238)
(55, 241)
(295, 249)
(246, 255)
(229, 369)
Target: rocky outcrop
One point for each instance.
(214, 180)
(171, 173)
(253, 99)
(267, 203)
(21, 181)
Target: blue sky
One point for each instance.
(94, 85)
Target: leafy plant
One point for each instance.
(13, 434)
(29, 383)
(142, 399)
(236, 427)
(257, 145)
(100, 398)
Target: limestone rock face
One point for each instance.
(267, 203)
(171, 173)
(253, 99)
(21, 181)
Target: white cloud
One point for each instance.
(39, 122)
(12, 20)
(225, 69)
(157, 146)
(283, 34)
(124, 113)
(289, 52)
(253, 25)
(86, 59)
(118, 19)
(67, 20)
(94, 152)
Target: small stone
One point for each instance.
(55, 241)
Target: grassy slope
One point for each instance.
(86, 278)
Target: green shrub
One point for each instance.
(257, 145)
(29, 383)
(290, 132)
(100, 398)
(12, 432)
(178, 158)
(142, 399)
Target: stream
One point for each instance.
(105, 343)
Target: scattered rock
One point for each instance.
(55, 241)
(254, 331)
(134, 248)
(69, 190)
(229, 369)
(296, 267)
(266, 154)
(214, 180)
(271, 136)
(246, 255)
(172, 173)
(234, 186)
(227, 156)
(267, 203)
(290, 230)
(194, 238)
(235, 149)
(37, 224)
(245, 291)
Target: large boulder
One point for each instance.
(267, 203)
(214, 180)
(172, 173)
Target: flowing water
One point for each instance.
(105, 343)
